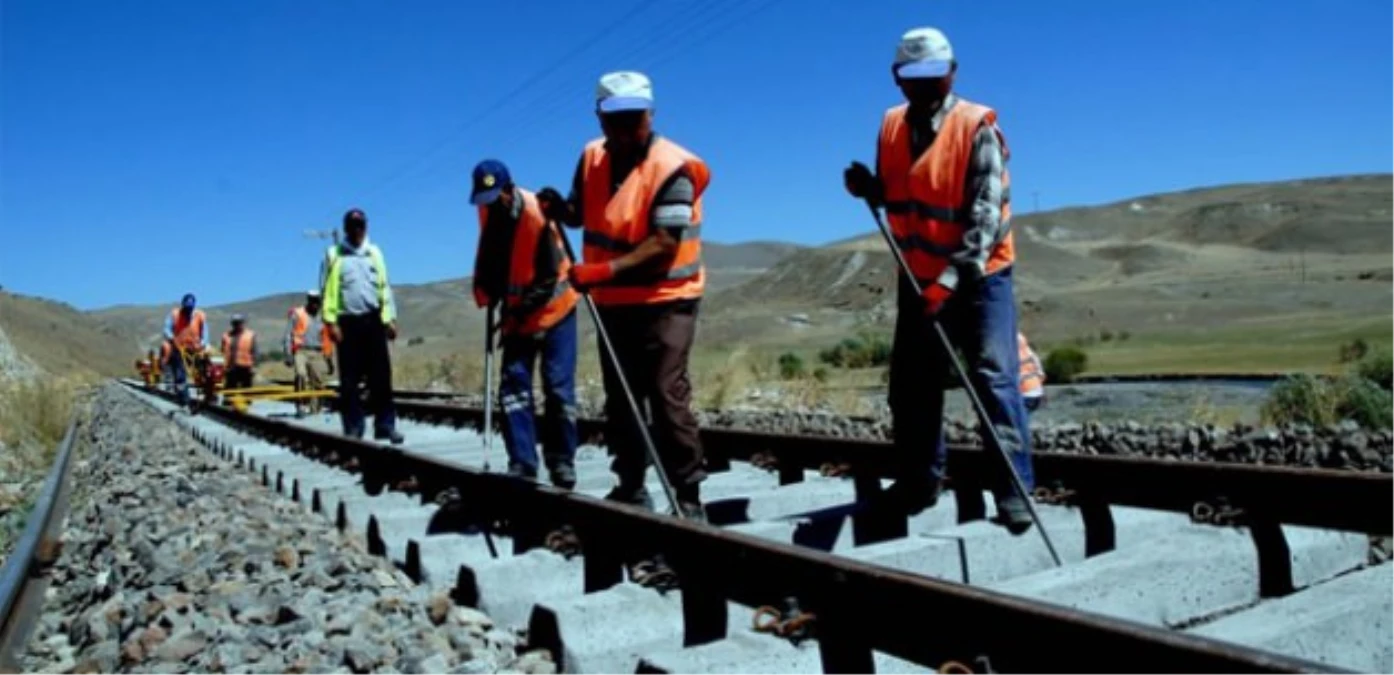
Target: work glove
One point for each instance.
(481, 299)
(862, 183)
(585, 275)
(553, 205)
(935, 297)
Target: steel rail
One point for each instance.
(1251, 494)
(22, 585)
(859, 607)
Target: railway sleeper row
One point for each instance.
(1162, 582)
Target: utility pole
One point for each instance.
(331, 234)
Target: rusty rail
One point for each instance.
(854, 607)
(22, 585)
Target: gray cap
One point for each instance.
(239, 318)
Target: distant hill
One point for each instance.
(1301, 253)
(62, 340)
(1205, 257)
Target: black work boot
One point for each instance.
(516, 470)
(690, 503)
(563, 475)
(1012, 514)
(631, 496)
(395, 436)
(912, 496)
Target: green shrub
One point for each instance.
(1354, 350)
(1063, 364)
(790, 366)
(820, 374)
(1365, 402)
(1302, 398)
(1105, 335)
(1377, 367)
(864, 351)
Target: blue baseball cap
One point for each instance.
(490, 178)
(188, 301)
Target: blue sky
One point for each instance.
(160, 146)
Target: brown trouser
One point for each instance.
(307, 376)
(653, 343)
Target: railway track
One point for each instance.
(22, 584)
(1181, 567)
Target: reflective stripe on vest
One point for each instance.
(926, 196)
(238, 353)
(532, 226)
(1032, 373)
(616, 224)
(187, 334)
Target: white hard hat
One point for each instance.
(312, 293)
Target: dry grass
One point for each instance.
(36, 411)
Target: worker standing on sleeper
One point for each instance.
(307, 346)
(239, 349)
(362, 317)
(520, 263)
(941, 175)
(638, 198)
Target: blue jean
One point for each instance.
(980, 320)
(180, 376)
(557, 346)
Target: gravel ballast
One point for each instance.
(176, 561)
(1342, 446)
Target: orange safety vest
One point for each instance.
(615, 225)
(530, 229)
(239, 354)
(1032, 373)
(925, 196)
(302, 324)
(187, 333)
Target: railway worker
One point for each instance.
(186, 328)
(521, 264)
(306, 346)
(638, 197)
(239, 350)
(941, 176)
(362, 318)
(1032, 375)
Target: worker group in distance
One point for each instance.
(939, 175)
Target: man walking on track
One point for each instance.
(239, 353)
(187, 328)
(638, 197)
(362, 317)
(941, 176)
(306, 344)
(521, 264)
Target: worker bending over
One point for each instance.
(307, 346)
(521, 264)
(239, 353)
(186, 328)
(941, 176)
(362, 317)
(638, 197)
